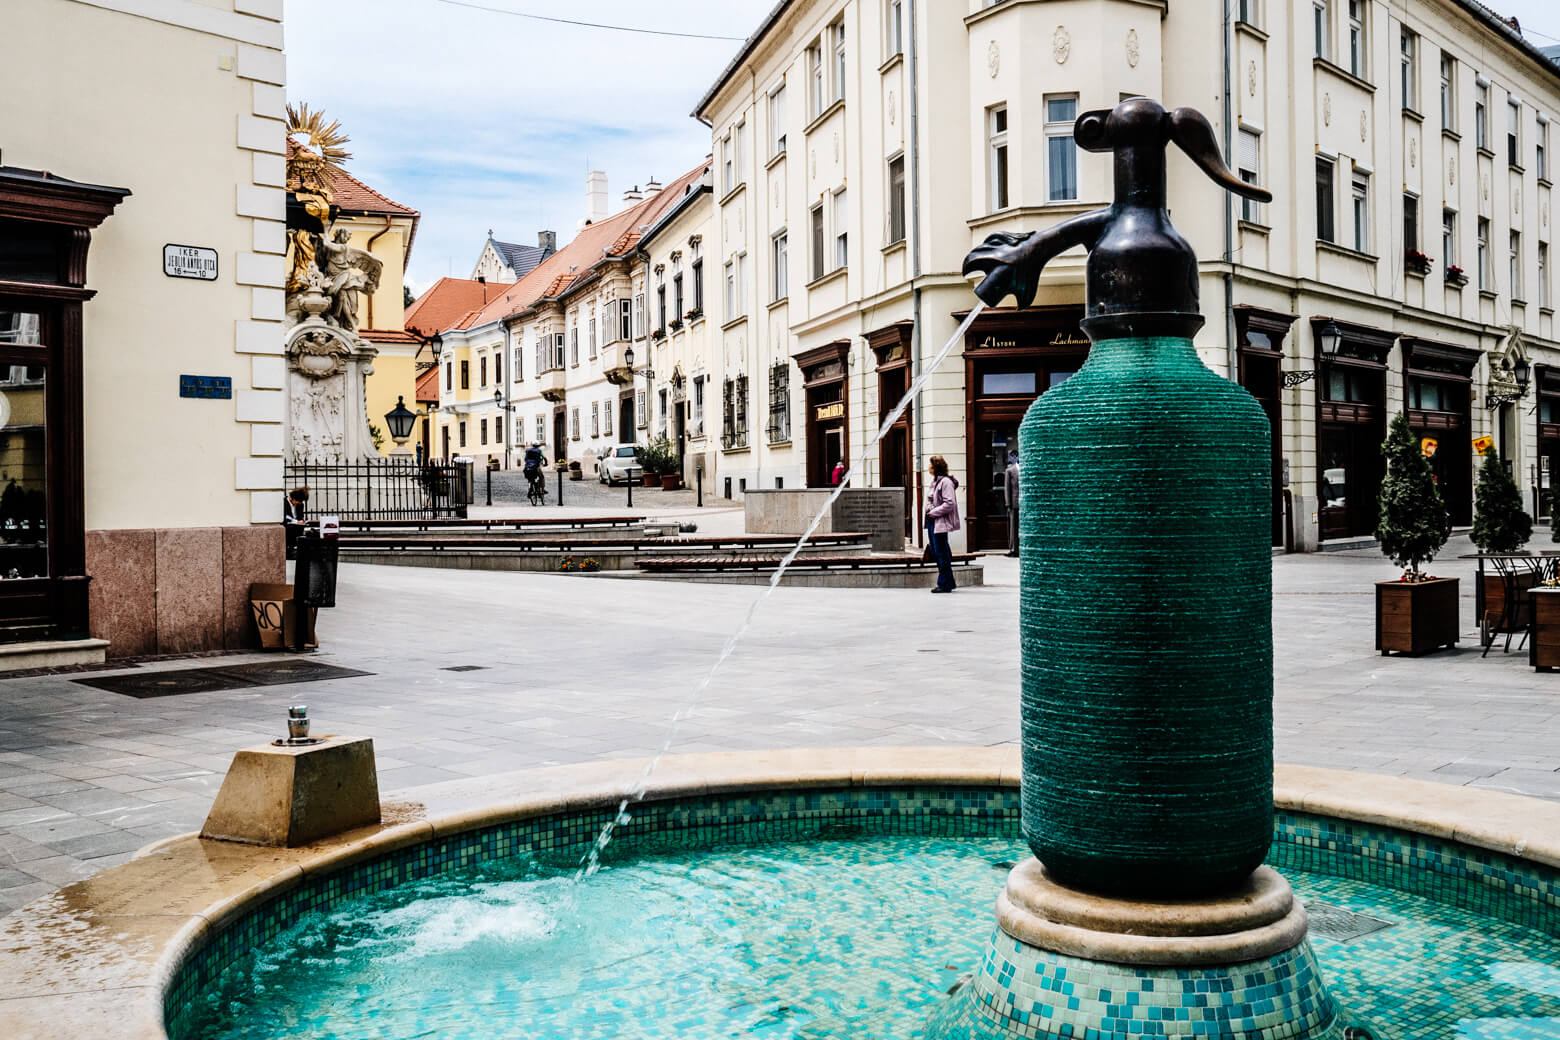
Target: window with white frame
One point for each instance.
(595, 420)
(841, 230)
(1481, 118)
(660, 308)
(1541, 143)
(815, 219)
(639, 315)
(727, 169)
(593, 336)
(498, 430)
(837, 65)
(1543, 275)
(1514, 272)
(574, 346)
(815, 95)
(625, 321)
(893, 28)
(778, 268)
(739, 150)
(1325, 200)
(541, 429)
(677, 293)
(1513, 132)
(698, 407)
(543, 355)
(482, 371)
(518, 366)
(641, 416)
(1408, 59)
(896, 199)
(1485, 274)
(664, 411)
(449, 376)
(1359, 15)
(498, 367)
(606, 418)
(731, 289)
(997, 158)
(574, 424)
(1249, 168)
(777, 120)
(697, 270)
(462, 431)
(1061, 151)
(1448, 92)
(1321, 24)
(1247, 12)
(1411, 222)
(1360, 195)
(482, 430)
(741, 281)
(1448, 239)
(778, 428)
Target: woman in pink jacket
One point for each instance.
(942, 516)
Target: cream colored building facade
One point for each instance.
(164, 486)
(863, 147)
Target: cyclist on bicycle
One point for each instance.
(534, 461)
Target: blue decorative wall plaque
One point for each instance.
(219, 387)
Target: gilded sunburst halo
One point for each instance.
(319, 149)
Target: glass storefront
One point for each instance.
(24, 542)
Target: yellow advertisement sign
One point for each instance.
(1483, 444)
(1427, 446)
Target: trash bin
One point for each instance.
(465, 490)
(315, 577)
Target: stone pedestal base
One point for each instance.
(291, 796)
(1064, 963)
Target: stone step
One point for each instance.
(51, 653)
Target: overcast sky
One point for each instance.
(481, 120)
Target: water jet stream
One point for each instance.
(591, 862)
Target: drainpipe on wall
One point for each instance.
(918, 419)
(1229, 207)
(376, 237)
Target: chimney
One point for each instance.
(652, 188)
(596, 196)
(548, 241)
(633, 195)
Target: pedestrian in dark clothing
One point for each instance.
(292, 517)
(1010, 493)
(942, 516)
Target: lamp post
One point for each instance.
(1329, 337)
(400, 419)
(509, 422)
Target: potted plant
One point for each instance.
(658, 459)
(1455, 276)
(1500, 525)
(676, 325)
(1416, 262)
(1418, 612)
(695, 314)
(658, 335)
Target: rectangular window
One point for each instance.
(1484, 255)
(660, 307)
(1061, 150)
(1543, 275)
(461, 429)
(543, 362)
(1515, 271)
(815, 80)
(606, 419)
(739, 150)
(482, 431)
(779, 426)
(498, 430)
(639, 315)
(1357, 42)
(837, 46)
(625, 320)
(558, 342)
(498, 368)
(841, 230)
(1361, 211)
(677, 296)
(778, 265)
(595, 419)
(731, 289)
(1319, 26)
(1448, 92)
(698, 285)
(896, 199)
(997, 157)
(664, 410)
(641, 420)
(593, 337)
(1247, 12)
(816, 217)
(574, 346)
(449, 375)
(1541, 140)
(518, 364)
(1481, 106)
(1411, 223)
(777, 121)
(541, 429)
(1408, 48)
(1514, 133)
(465, 375)
(698, 406)
(1448, 239)
(574, 424)
(1325, 231)
(1249, 167)
(894, 29)
(482, 371)
(728, 178)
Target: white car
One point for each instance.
(612, 467)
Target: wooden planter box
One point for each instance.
(671, 481)
(650, 480)
(1417, 618)
(1544, 641)
(1495, 603)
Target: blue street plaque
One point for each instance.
(217, 387)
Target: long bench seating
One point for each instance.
(769, 561)
(388, 541)
(496, 524)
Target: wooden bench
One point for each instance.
(769, 561)
(497, 524)
(454, 543)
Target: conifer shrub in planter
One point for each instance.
(659, 460)
(1418, 612)
(1500, 525)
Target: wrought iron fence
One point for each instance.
(393, 489)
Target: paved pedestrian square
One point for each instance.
(479, 673)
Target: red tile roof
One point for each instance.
(428, 386)
(444, 303)
(571, 265)
(389, 336)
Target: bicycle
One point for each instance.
(537, 495)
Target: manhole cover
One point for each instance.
(275, 673)
(465, 668)
(166, 684)
(1340, 925)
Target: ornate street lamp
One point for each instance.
(1328, 338)
(400, 419)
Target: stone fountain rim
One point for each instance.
(99, 954)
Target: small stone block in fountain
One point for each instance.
(291, 793)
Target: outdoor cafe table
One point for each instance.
(1543, 564)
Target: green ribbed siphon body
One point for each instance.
(1146, 624)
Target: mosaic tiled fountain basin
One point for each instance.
(832, 913)
(788, 894)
